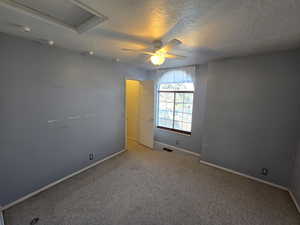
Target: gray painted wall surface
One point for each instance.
(193, 142)
(295, 184)
(38, 84)
(252, 114)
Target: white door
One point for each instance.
(146, 118)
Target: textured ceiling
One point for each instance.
(209, 29)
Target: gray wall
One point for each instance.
(295, 184)
(39, 83)
(193, 142)
(252, 114)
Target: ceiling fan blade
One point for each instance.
(170, 45)
(130, 50)
(173, 56)
(138, 51)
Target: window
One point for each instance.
(175, 102)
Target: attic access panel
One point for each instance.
(73, 14)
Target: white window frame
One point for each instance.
(173, 118)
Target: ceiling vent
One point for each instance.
(72, 14)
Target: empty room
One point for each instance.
(149, 112)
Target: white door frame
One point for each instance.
(125, 94)
(146, 119)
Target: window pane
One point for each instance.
(186, 126)
(187, 108)
(180, 97)
(176, 86)
(166, 101)
(164, 114)
(178, 125)
(187, 117)
(170, 106)
(188, 98)
(181, 119)
(166, 97)
(179, 107)
(178, 116)
(165, 123)
(165, 110)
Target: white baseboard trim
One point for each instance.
(245, 175)
(117, 153)
(1, 218)
(58, 181)
(176, 148)
(256, 179)
(132, 139)
(294, 200)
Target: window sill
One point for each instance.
(187, 133)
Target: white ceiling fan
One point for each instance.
(160, 51)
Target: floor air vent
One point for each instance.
(34, 221)
(167, 150)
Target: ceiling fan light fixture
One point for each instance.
(157, 59)
(50, 42)
(26, 28)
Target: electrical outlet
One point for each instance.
(91, 156)
(264, 171)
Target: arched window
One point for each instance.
(175, 101)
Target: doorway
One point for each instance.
(139, 110)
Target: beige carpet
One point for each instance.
(146, 187)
